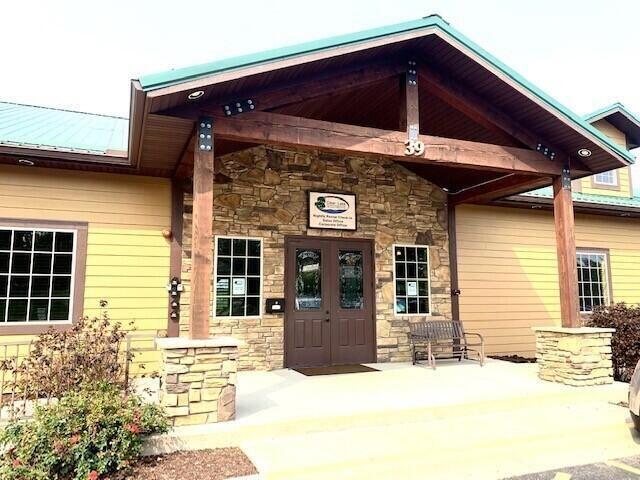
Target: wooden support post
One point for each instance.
(566, 246)
(202, 219)
(409, 108)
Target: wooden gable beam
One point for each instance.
(485, 114)
(277, 129)
(509, 184)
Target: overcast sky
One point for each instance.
(81, 55)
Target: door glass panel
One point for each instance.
(350, 279)
(308, 279)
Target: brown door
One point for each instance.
(329, 302)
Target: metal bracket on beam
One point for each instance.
(546, 151)
(566, 177)
(413, 129)
(205, 134)
(239, 106)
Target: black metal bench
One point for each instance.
(443, 339)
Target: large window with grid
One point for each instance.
(36, 275)
(412, 280)
(609, 179)
(238, 277)
(593, 279)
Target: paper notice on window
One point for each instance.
(412, 288)
(239, 286)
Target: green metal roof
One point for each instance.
(608, 110)
(597, 199)
(64, 130)
(180, 75)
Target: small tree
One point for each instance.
(625, 343)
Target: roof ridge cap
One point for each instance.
(64, 110)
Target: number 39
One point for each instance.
(413, 147)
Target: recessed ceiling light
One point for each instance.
(24, 161)
(195, 95)
(584, 152)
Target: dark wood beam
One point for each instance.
(485, 114)
(566, 248)
(509, 184)
(201, 238)
(277, 129)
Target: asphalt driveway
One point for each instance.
(627, 468)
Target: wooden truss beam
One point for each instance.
(277, 129)
(509, 184)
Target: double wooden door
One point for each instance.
(329, 302)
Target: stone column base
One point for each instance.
(574, 356)
(198, 379)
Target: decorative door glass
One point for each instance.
(350, 278)
(308, 279)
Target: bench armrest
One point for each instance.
(466, 334)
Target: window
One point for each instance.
(609, 178)
(238, 274)
(593, 279)
(37, 269)
(411, 277)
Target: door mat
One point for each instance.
(334, 370)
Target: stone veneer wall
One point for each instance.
(266, 196)
(574, 356)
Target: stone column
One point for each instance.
(574, 356)
(198, 379)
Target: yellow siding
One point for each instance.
(508, 270)
(624, 173)
(127, 256)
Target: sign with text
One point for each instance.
(336, 211)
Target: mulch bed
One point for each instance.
(215, 464)
(513, 358)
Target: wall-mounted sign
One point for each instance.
(336, 211)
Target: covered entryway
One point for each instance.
(329, 301)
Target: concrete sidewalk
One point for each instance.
(459, 421)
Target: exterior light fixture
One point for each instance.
(195, 95)
(24, 161)
(584, 152)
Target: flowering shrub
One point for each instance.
(88, 434)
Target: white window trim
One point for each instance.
(613, 183)
(395, 293)
(607, 285)
(69, 319)
(215, 275)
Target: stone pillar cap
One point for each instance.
(574, 330)
(183, 342)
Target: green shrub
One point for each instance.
(90, 433)
(625, 343)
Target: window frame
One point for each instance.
(215, 275)
(608, 290)
(395, 293)
(615, 185)
(78, 275)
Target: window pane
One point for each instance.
(38, 310)
(44, 241)
(224, 246)
(411, 254)
(253, 266)
(222, 306)
(412, 305)
(19, 286)
(401, 305)
(4, 262)
(423, 270)
(17, 311)
(4, 285)
(411, 270)
(422, 255)
(40, 286)
(237, 306)
(401, 288)
(21, 263)
(592, 278)
(59, 310)
(62, 264)
(254, 248)
(239, 247)
(400, 270)
(224, 266)
(5, 239)
(351, 279)
(3, 309)
(253, 305)
(308, 280)
(42, 263)
(61, 287)
(22, 240)
(239, 266)
(423, 305)
(253, 286)
(64, 242)
(400, 256)
(223, 286)
(423, 288)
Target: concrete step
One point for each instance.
(485, 445)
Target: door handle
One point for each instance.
(328, 317)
